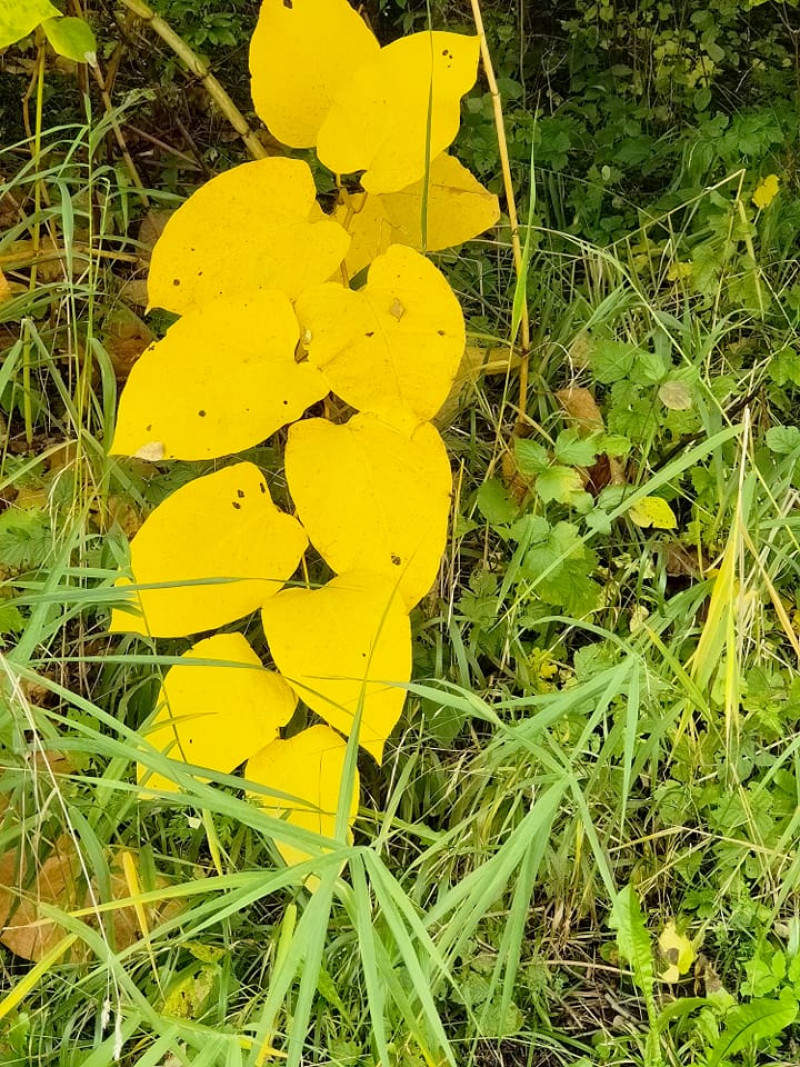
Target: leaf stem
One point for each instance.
(513, 217)
(200, 69)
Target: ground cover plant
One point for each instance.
(400, 599)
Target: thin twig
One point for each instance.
(513, 218)
(200, 69)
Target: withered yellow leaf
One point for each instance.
(218, 546)
(224, 378)
(26, 884)
(392, 348)
(344, 648)
(399, 107)
(247, 229)
(653, 511)
(217, 716)
(766, 191)
(458, 209)
(307, 767)
(301, 55)
(369, 496)
(677, 951)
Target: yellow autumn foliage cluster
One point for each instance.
(269, 326)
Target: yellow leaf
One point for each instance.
(253, 227)
(301, 55)
(5, 289)
(343, 648)
(393, 348)
(369, 496)
(307, 767)
(397, 108)
(224, 378)
(216, 716)
(222, 526)
(678, 953)
(653, 511)
(20, 17)
(766, 191)
(458, 209)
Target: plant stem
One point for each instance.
(27, 409)
(200, 69)
(513, 218)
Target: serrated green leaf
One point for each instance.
(531, 457)
(748, 1023)
(783, 440)
(495, 503)
(563, 485)
(575, 451)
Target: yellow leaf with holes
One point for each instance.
(677, 951)
(301, 54)
(218, 546)
(309, 768)
(400, 110)
(392, 348)
(653, 511)
(458, 209)
(254, 227)
(224, 378)
(345, 649)
(18, 18)
(216, 716)
(766, 191)
(369, 496)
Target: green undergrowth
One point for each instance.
(602, 733)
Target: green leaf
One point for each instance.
(612, 360)
(24, 538)
(531, 457)
(72, 38)
(575, 451)
(633, 941)
(752, 1022)
(21, 17)
(11, 620)
(564, 485)
(495, 504)
(783, 440)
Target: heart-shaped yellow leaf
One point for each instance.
(217, 716)
(399, 110)
(301, 54)
(369, 496)
(20, 17)
(392, 348)
(343, 648)
(219, 527)
(224, 378)
(247, 229)
(307, 767)
(458, 209)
